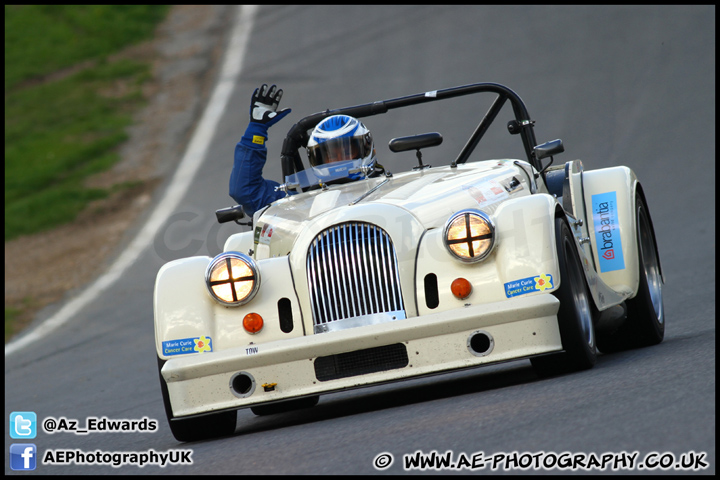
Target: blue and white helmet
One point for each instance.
(341, 138)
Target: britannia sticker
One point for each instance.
(185, 346)
(607, 232)
(538, 283)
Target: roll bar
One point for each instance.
(298, 135)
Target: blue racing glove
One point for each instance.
(264, 106)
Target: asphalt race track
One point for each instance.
(628, 86)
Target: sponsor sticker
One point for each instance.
(184, 346)
(266, 234)
(486, 192)
(607, 232)
(538, 283)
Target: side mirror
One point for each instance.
(548, 149)
(231, 214)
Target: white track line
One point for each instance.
(193, 158)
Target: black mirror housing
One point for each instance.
(548, 149)
(415, 142)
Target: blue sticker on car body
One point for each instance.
(537, 283)
(607, 232)
(184, 346)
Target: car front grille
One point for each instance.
(361, 362)
(352, 273)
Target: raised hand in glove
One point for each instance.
(264, 106)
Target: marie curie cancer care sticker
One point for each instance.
(187, 345)
(607, 232)
(538, 283)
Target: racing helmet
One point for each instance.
(340, 138)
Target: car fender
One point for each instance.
(239, 242)
(609, 195)
(523, 258)
(185, 311)
(182, 305)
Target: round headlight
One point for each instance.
(232, 278)
(469, 235)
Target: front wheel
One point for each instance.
(576, 313)
(199, 428)
(645, 322)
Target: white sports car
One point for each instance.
(395, 276)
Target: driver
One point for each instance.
(339, 138)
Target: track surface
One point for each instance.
(620, 85)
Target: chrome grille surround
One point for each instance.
(353, 277)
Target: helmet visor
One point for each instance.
(340, 149)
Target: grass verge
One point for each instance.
(69, 98)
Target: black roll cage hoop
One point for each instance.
(298, 135)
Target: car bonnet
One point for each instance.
(431, 196)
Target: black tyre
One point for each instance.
(286, 406)
(200, 428)
(576, 314)
(645, 322)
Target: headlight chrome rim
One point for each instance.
(469, 238)
(227, 258)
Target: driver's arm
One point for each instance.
(247, 187)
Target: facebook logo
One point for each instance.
(23, 456)
(23, 425)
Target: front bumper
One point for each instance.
(519, 328)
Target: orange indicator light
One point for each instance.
(461, 288)
(253, 323)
